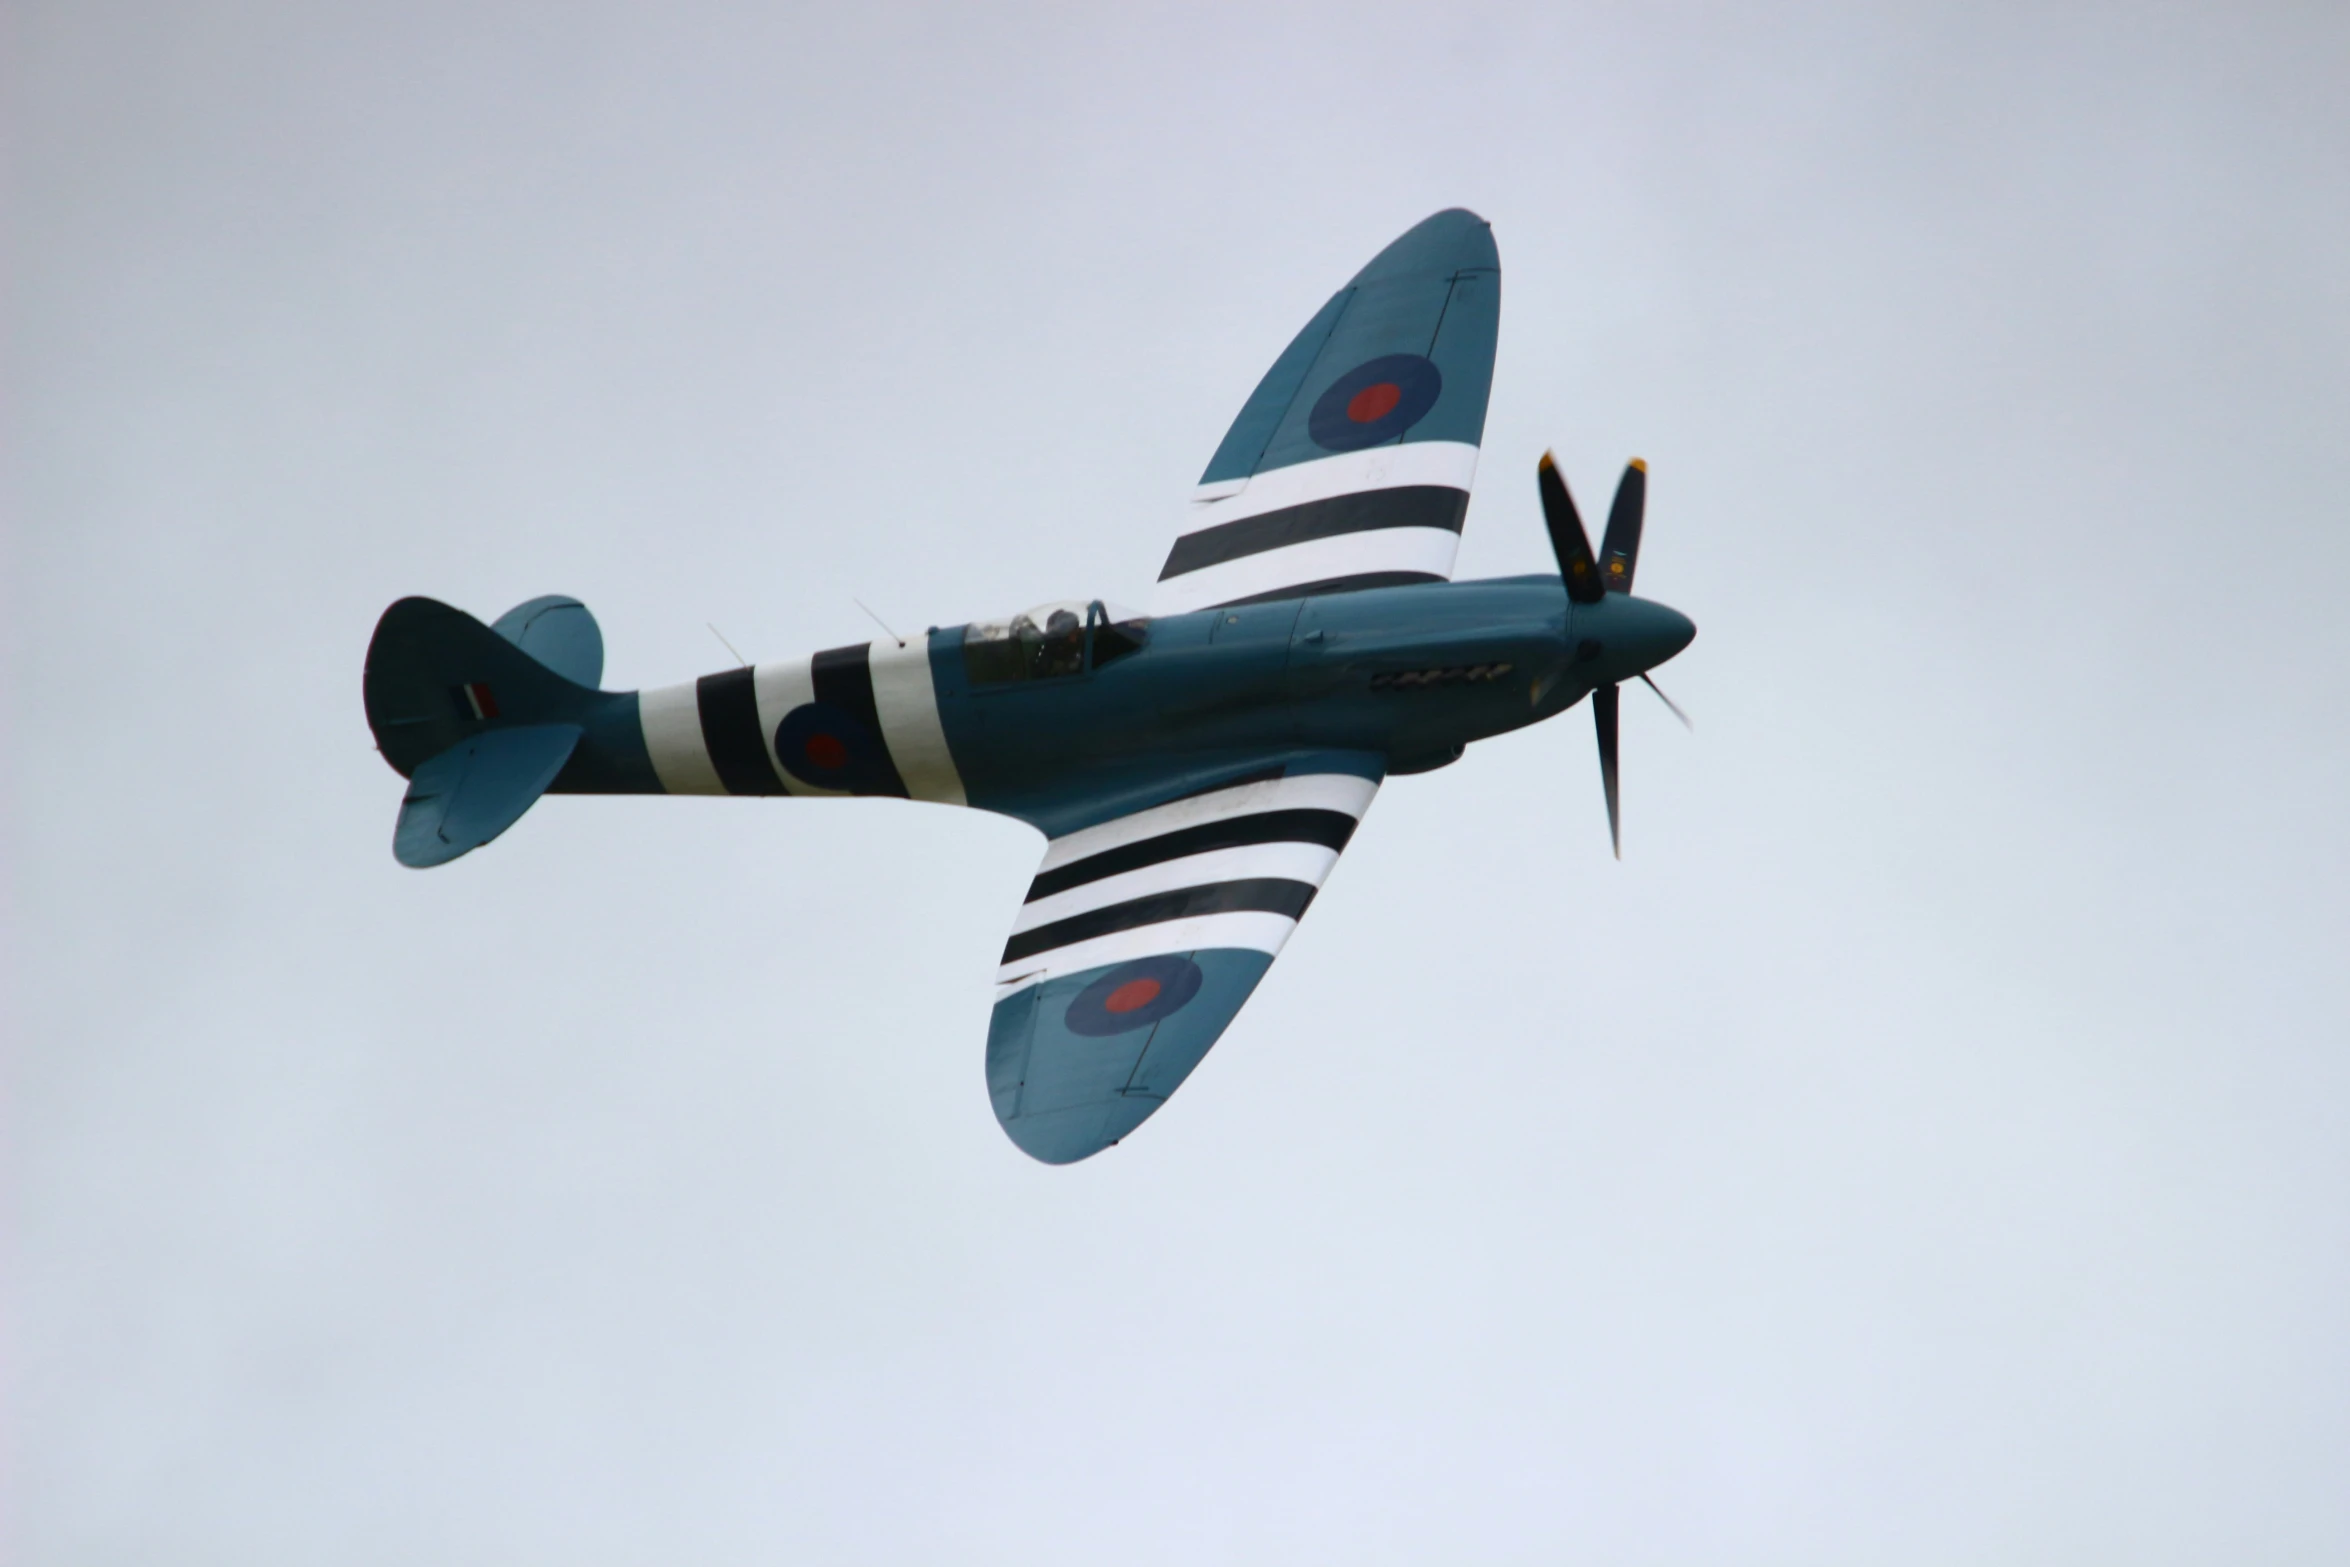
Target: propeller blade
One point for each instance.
(1604, 704)
(1568, 541)
(1619, 550)
(1669, 702)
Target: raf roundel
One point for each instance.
(1375, 401)
(1133, 995)
(821, 745)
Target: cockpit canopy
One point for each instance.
(1066, 637)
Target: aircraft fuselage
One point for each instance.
(1410, 674)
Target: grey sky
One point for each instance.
(1928, 1146)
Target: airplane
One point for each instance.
(1195, 770)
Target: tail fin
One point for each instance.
(479, 719)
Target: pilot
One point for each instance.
(1064, 644)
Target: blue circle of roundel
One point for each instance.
(1133, 995)
(819, 744)
(1375, 401)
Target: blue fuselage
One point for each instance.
(1403, 677)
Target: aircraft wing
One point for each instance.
(1142, 936)
(1349, 466)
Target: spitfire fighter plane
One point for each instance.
(1195, 770)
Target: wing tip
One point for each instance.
(1453, 240)
(1071, 1136)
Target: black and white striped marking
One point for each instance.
(1235, 867)
(716, 735)
(1387, 515)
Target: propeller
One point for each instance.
(1619, 550)
(1668, 701)
(1590, 579)
(1604, 703)
(1568, 541)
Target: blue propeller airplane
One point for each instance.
(1195, 771)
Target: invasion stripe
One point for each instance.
(910, 725)
(1330, 829)
(1246, 932)
(1266, 894)
(1452, 464)
(843, 677)
(1306, 862)
(784, 686)
(729, 706)
(1288, 568)
(1412, 506)
(1320, 791)
(671, 720)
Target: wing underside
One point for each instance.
(1141, 938)
(1350, 465)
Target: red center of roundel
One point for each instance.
(826, 751)
(1374, 402)
(1134, 993)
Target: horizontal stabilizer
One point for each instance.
(476, 789)
(560, 633)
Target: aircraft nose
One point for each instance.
(1646, 634)
(1629, 635)
(1672, 631)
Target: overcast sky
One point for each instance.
(1930, 1145)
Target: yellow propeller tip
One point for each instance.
(1640, 463)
